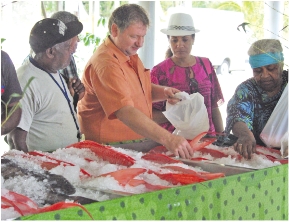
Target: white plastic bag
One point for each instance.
(277, 125)
(284, 145)
(189, 116)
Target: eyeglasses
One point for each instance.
(194, 86)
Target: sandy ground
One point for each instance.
(228, 84)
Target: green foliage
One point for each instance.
(50, 6)
(254, 14)
(17, 105)
(90, 39)
(2, 40)
(229, 6)
(106, 8)
(201, 4)
(86, 6)
(167, 4)
(101, 21)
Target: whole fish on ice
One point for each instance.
(42, 187)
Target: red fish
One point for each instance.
(181, 169)
(276, 154)
(50, 165)
(159, 158)
(63, 205)
(199, 143)
(21, 208)
(25, 206)
(22, 204)
(213, 152)
(176, 178)
(264, 149)
(105, 152)
(198, 158)
(151, 187)
(159, 149)
(204, 175)
(272, 158)
(125, 175)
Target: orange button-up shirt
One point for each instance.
(112, 80)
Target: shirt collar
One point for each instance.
(117, 52)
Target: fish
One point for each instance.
(159, 158)
(179, 178)
(23, 205)
(199, 142)
(105, 152)
(196, 144)
(126, 176)
(56, 188)
(123, 176)
(213, 152)
(150, 187)
(202, 174)
(274, 156)
(55, 162)
(160, 149)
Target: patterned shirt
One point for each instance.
(167, 73)
(251, 105)
(70, 71)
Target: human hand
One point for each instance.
(76, 86)
(179, 146)
(245, 145)
(170, 94)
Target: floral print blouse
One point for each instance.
(251, 105)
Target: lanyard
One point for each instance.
(63, 90)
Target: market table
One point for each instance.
(256, 195)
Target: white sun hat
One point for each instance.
(180, 24)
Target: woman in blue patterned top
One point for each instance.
(255, 99)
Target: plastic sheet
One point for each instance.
(277, 125)
(189, 116)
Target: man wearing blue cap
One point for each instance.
(48, 119)
(255, 99)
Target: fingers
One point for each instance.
(170, 92)
(173, 101)
(174, 90)
(185, 152)
(254, 148)
(246, 150)
(77, 85)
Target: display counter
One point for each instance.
(256, 195)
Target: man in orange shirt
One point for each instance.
(117, 105)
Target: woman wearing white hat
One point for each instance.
(186, 72)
